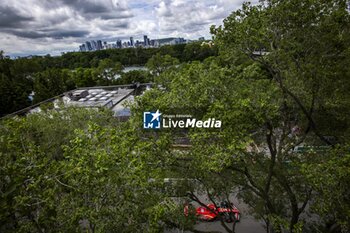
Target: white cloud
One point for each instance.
(50, 26)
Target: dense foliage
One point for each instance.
(74, 170)
(280, 87)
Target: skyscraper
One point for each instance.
(99, 45)
(88, 46)
(119, 44)
(94, 45)
(145, 40)
(131, 41)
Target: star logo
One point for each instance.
(151, 120)
(156, 116)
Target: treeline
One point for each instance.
(46, 76)
(127, 57)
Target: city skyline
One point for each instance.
(33, 27)
(94, 45)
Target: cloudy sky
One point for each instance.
(53, 26)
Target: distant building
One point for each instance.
(88, 46)
(131, 41)
(94, 45)
(138, 43)
(201, 38)
(82, 48)
(168, 41)
(145, 40)
(119, 44)
(99, 45)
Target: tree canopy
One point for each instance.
(279, 84)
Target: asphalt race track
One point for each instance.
(247, 224)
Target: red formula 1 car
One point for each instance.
(227, 211)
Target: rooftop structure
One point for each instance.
(96, 97)
(115, 98)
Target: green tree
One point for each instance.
(76, 170)
(158, 63)
(215, 156)
(330, 176)
(303, 47)
(31, 154)
(198, 51)
(15, 84)
(49, 83)
(133, 76)
(288, 38)
(83, 77)
(7, 91)
(107, 71)
(270, 96)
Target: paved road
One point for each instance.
(247, 224)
